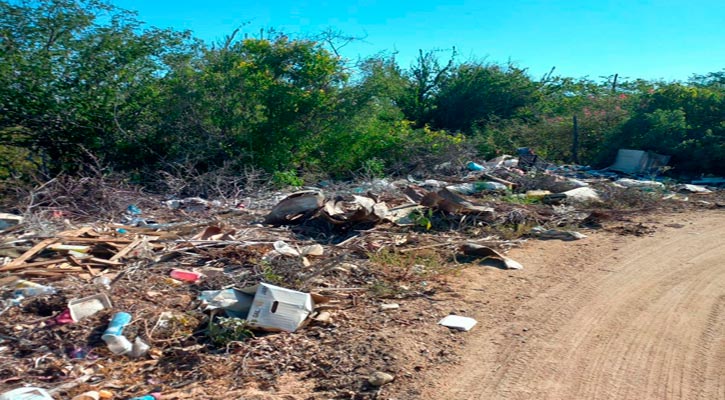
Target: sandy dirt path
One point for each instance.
(608, 317)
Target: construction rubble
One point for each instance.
(194, 298)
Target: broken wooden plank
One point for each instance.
(499, 180)
(34, 264)
(29, 254)
(48, 273)
(77, 232)
(102, 261)
(95, 240)
(126, 250)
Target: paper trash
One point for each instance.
(458, 322)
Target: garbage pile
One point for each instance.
(199, 299)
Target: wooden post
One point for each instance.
(575, 142)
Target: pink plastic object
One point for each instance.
(186, 276)
(64, 318)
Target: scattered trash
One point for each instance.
(473, 249)
(233, 301)
(103, 281)
(542, 233)
(7, 221)
(152, 396)
(139, 348)
(355, 209)
(265, 306)
(133, 210)
(687, 188)
(458, 322)
(327, 245)
(31, 289)
(286, 250)
(537, 194)
(185, 275)
(582, 195)
(472, 166)
(64, 318)
(527, 158)
(450, 202)
(113, 336)
(26, 393)
(379, 378)
(638, 162)
(391, 306)
(91, 395)
(634, 183)
(477, 187)
(87, 306)
(295, 207)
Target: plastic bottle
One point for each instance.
(29, 289)
(103, 281)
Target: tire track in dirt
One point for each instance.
(649, 325)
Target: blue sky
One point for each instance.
(637, 39)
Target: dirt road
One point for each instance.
(608, 317)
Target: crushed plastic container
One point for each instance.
(118, 344)
(186, 276)
(87, 306)
(113, 336)
(26, 393)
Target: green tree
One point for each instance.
(257, 101)
(70, 84)
(476, 93)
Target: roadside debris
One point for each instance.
(473, 249)
(458, 322)
(295, 207)
(7, 221)
(639, 184)
(286, 284)
(26, 393)
(557, 234)
(687, 188)
(389, 306)
(88, 306)
(582, 195)
(638, 162)
(265, 306)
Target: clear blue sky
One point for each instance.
(638, 39)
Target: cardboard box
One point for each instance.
(265, 306)
(275, 308)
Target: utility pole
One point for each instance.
(575, 142)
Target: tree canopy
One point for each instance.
(82, 79)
